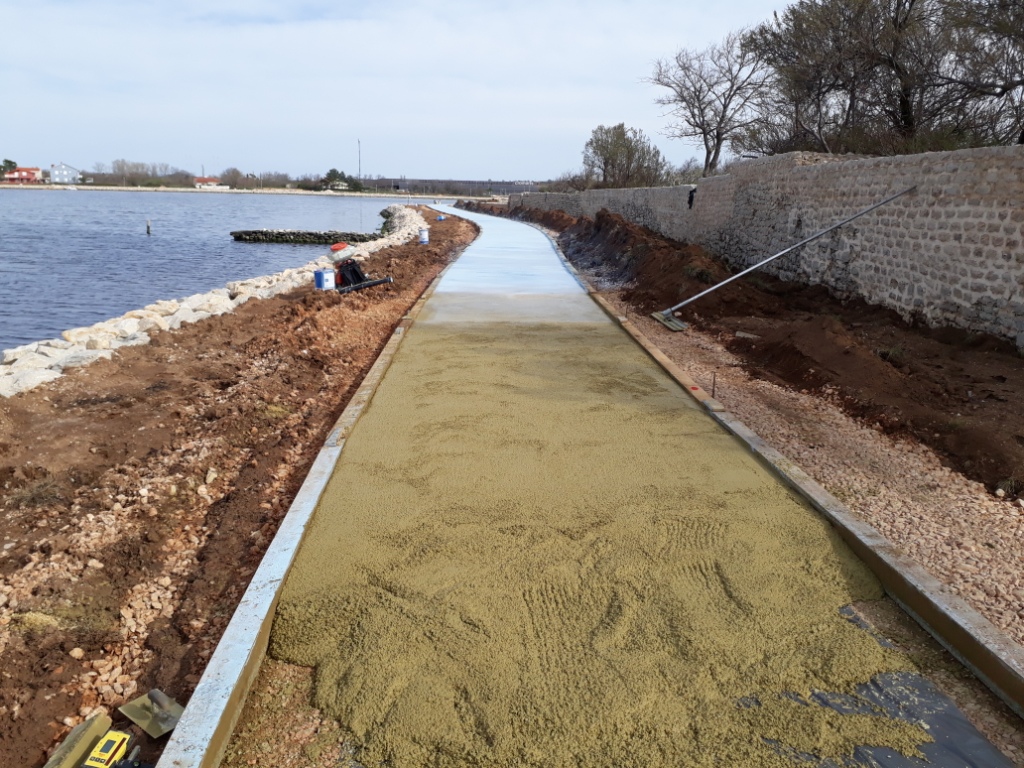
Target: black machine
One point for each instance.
(350, 277)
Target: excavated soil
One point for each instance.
(139, 494)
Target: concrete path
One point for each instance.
(536, 550)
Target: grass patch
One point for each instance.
(1011, 486)
(895, 355)
(954, 425)
(699, 274)
(36, 494)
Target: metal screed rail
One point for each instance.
(666, 315)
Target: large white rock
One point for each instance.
(158, 322)
(135, 340)
(183, 315)
(8, 386)
(31, 360)
(125, 327)
(214, 304)
(26, 380)
(164, 307)
(54, 347)
(10, 355)
(195, 301)
(78, 357)
(142, 315)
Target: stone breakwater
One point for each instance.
(298, 237)
(28, 366)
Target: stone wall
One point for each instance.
(951, 252)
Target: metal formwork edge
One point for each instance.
(205, 728)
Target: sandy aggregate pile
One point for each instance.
(953, 526)
(533, 554)
(969, 539)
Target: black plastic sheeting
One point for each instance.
(902, 696)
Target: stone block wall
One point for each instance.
(951, 252)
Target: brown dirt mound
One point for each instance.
(959, 392)
(139, 494)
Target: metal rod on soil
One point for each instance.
(668, 312)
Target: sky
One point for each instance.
(461, 89)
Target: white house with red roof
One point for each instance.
(209, 182)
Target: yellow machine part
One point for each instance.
(111, 748)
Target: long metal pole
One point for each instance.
(668, 312)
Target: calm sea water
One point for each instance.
(71, 258)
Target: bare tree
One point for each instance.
(570, 181)
(988, 46)
(711, 93)
(885, 77)
(130, 172)
(275, 179)
(617, 156)
(232, 177)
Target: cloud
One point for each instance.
(460, 89)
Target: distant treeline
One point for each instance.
(127, 173)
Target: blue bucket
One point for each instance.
(324, 279)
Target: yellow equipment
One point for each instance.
(111, 748)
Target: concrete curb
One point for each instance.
(204, 731)
(978, 644)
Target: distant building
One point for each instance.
(24, 176)
(209, 182)
(62, 173)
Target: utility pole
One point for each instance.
(360, 144)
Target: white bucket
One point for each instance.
(424, 236)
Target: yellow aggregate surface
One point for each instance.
(536, 550)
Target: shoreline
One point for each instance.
(274, 191)
(27, 366)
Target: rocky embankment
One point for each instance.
(26, 367)
(299, 237)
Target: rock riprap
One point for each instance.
(30, 365)
(301, 237)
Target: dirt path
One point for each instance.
(140, 493)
